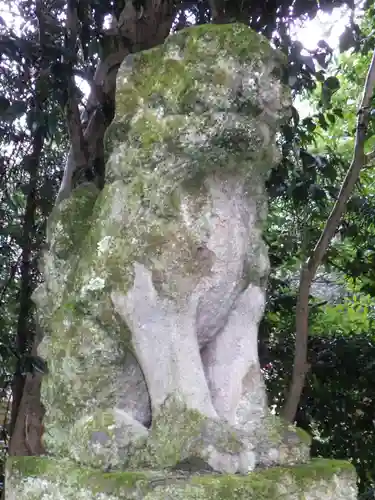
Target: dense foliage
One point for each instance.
(42, 59)
(336, 404)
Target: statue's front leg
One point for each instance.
(165, 345)
(232, 356)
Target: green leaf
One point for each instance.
(338, 112)
(295, 116)
(329, 87)
(4, 104)
(332, 83)
(14, 111)
(317, 192)
(322, 121)
(346, 39)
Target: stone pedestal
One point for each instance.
(30, 478)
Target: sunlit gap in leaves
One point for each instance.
(324, 26)
(11, 19)
(327, 27)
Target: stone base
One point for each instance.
(42, 478)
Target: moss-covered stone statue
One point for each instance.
(154, 289)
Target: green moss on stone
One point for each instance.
(71, 220)
(172, 92)
(303, 435)
(180, 434)
(25, 473)
(161, 67)
(263, 485)
(320, 469)
(276, 428)
(173, 432)
(72, 479)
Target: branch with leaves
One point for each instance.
(309, 268)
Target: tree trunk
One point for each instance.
(27, 434)
(25, 326)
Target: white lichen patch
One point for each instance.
(43, 489)
(95, 283)
(174, 52)
(59, 228)
(104, 245)
(194, 137)
(67, 322)
(159, 112)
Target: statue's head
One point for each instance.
(208, 99)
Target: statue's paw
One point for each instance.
(105, 439)
(181, 437)
(281, 444)
(227, 449)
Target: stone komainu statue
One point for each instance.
(154, 288)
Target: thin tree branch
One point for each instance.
(8, 281)
(309, 268)
(76, 136)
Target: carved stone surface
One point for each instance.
(155, 287)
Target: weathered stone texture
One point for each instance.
(155, 287)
